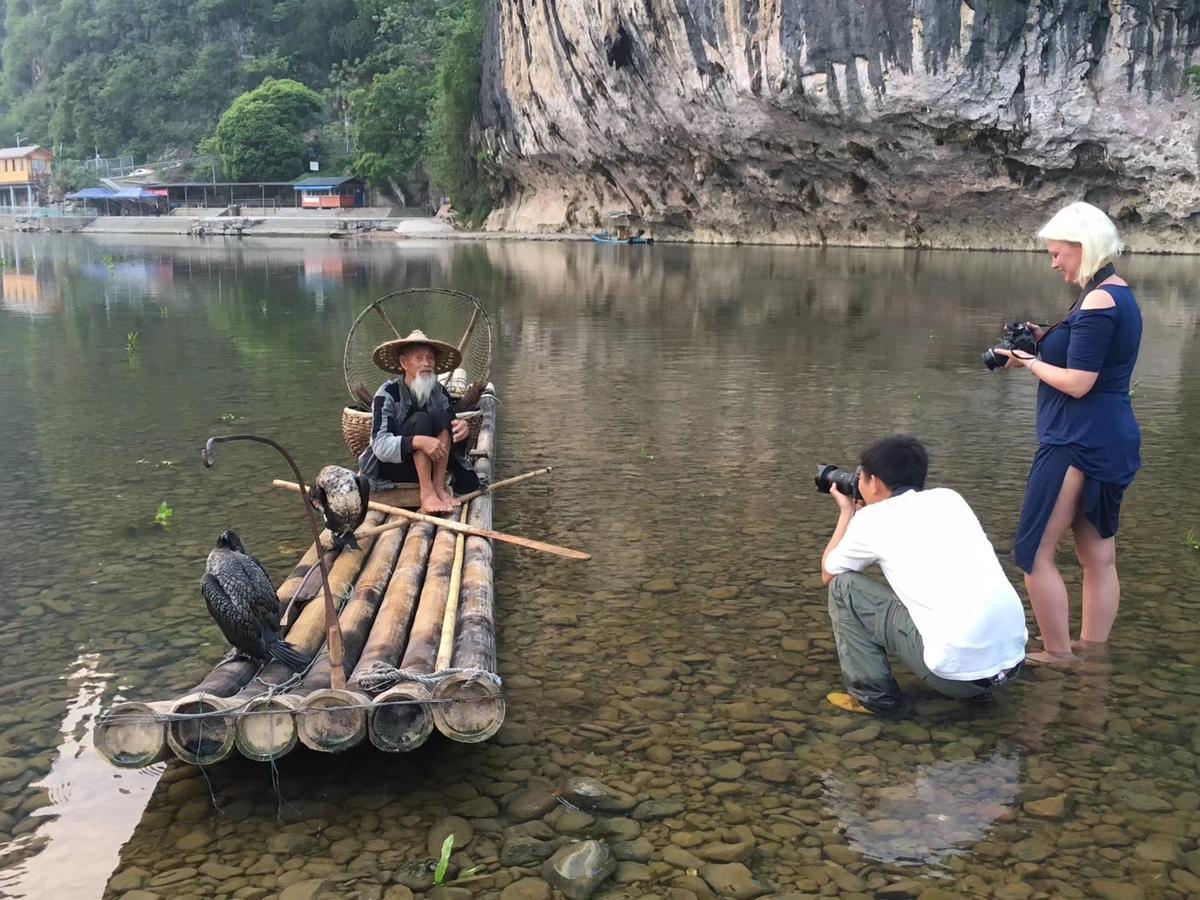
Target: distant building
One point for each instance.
(24, 174)
(330, 192)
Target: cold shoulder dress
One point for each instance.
(1097, 433)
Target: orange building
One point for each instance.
(24, 174)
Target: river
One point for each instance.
(684, 395)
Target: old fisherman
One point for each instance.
(414, 433)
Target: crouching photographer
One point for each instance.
(947, 611)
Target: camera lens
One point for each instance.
(993, 360)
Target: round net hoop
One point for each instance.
(443, 314)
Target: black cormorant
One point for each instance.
(242, 601)
(342, 497)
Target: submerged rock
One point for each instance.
(595, 796)
(733, 880)
(579, 869)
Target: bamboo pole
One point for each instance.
(516, 479)
(130, 735)
(477, 708)
(335, 719)
(446, 643)
(464, 499)
(393, 723)
(451, 525)
(214, 737)
(398, 721)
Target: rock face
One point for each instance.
(953, 123)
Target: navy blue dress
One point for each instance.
(1097, 433)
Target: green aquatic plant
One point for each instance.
(163, 312)
(643, 454)
(1133, 388)
(443, 863)
(1192, 541)
(229, 417)
(164, 514)
(131, 342)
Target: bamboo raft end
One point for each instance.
(129, 735)
(475, 708)
(268, 730)
(205, 740)
(332, 720)
(395, 723)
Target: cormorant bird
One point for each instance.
(342, 497)
(242, 601)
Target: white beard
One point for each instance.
(422, 387)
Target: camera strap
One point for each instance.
(1105, 272)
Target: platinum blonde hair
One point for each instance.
(1085, 225)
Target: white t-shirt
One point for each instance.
(941, 565)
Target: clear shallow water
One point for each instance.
(685, 395)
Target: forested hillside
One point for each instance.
(153, 77)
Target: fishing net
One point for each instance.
(445, 315)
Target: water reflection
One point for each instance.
(683, 395)
(923, 816)
(72, 845)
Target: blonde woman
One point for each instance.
(1088, 438)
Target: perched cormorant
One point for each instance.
(342, 497)
(242, 601)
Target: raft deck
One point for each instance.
(418, 625)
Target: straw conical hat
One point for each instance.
(387, 354)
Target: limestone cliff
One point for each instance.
(950, 123)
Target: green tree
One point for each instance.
(453, 163)
(261, 136)
(389, 126)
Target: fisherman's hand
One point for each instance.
(845, 504)
(459, 429)
(430, 446)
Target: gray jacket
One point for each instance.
(392, 406)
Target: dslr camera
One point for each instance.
(828, 476)
(1017, 336)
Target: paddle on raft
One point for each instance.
(459, 526)
(464, 499)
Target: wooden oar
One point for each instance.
(465, 498)
(504, 483)
(452, 525)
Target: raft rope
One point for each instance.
(381, 677)
(241, 712)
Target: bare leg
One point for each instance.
(1047, 592)
(1101, 586)
(439, 474)
(431, 500)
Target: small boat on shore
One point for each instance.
(622, 230)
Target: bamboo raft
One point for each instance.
(419, 642)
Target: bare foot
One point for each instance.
(1050, 658)
(432, 504)
(1090, 649)
(448, 497)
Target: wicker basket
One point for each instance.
(356, 428)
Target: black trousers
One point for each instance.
(428, 423)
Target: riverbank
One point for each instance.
(388, 228)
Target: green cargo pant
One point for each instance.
(869, 622)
